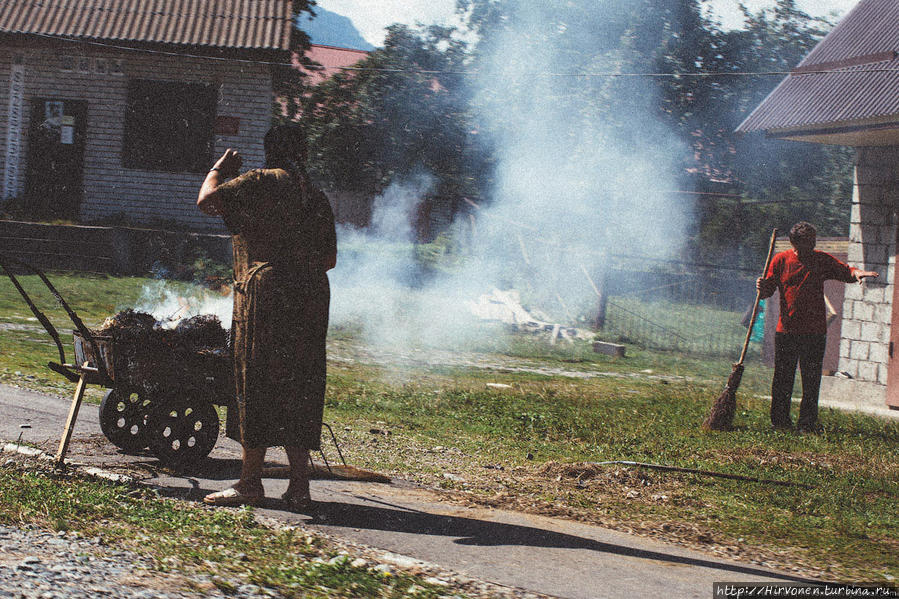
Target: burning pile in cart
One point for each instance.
(165, 382)
(154, 357)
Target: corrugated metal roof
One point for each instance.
(851, 75)
(869, 28)
(857, 93)
(251, 24)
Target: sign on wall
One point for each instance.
(14, 130)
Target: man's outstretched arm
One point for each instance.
(860, 275)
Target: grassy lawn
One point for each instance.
(534, 442)
(666, 325)
(534, 446)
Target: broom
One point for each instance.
(722, 415)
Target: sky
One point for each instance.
(371, 16)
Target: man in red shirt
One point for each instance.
(798, 275)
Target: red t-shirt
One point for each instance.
(801, 287)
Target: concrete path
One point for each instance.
(534, 553)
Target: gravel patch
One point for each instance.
(40, 564)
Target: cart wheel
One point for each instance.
(123, 419)
(182, 432)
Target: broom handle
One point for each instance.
(758, 297)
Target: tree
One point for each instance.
(400, 110)
(695, 79)
(636, 76)
(289, 82)
(566, 92)
(795, 181)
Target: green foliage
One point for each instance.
(781, 182)
(442, 255)
(409, 107)
(403, 111)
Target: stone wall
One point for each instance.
(867, 311)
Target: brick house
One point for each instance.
(119, 107)
(846, 92)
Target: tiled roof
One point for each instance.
(248, 24)
(850, 77)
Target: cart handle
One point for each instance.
(48, 326)
(63, 369)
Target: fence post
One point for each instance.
(603, 296)
(602, 292)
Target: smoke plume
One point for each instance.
(584, 168)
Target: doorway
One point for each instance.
(55, 167)
(893, 351)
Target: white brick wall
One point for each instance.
(867, 310)
(109, 189)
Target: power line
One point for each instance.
(588, 75)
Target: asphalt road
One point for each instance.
(539, 554)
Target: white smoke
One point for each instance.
(569, 188)
(568, 172)
(170, 302)
(377, 283)
(570, 185)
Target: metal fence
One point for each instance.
(701, 312)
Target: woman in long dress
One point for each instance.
(284, 243)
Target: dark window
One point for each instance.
(169, 126)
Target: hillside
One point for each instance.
(331, 29)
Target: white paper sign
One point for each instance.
(67, 134)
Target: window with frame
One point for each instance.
(169, 126)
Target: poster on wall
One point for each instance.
(67, 135)
(53, 112)
(14, 131)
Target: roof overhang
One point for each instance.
(273, 55)
(873, 132)
(243, 26)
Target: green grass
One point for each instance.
(93, 297)
(842, 524)
(845, 526)
(227, 545)
(25, 347)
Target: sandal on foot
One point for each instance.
(231, 497)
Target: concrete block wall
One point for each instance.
(144, 196)
(867, 310)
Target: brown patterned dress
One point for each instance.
(283, 236)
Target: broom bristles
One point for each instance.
(721, 417)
